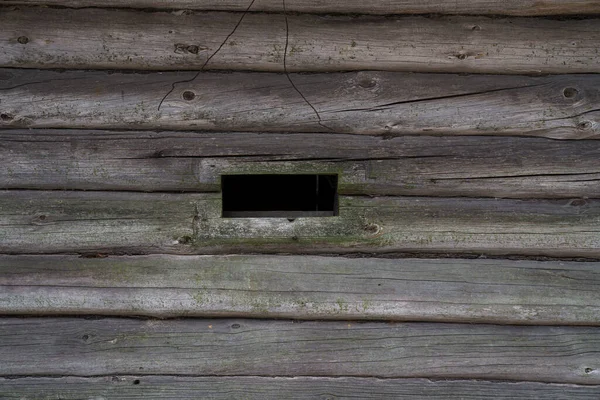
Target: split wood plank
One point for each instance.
(493, 7)
(41, 37)
(304, 287)
(140, 223)
(376, 103)
(485, 166)
(259, 388)
(225, 347)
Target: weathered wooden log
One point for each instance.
(56, 221)
(379, 103)
(39, 37)
(143, 387)
(507, 7)
(224, 347)
(303, 287)
(485, 166)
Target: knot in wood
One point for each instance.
(189, 95)
(570, 92)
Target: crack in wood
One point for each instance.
(285, 69)
(287, 74)
(521, 176)
(381, 107)
(173, 85)
(573, 116)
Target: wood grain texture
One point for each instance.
(57, 221)
(494, 7)
(484, 166)
(67, 221)
(376, 103)
(187, 388)
(39, 37)
(441, 290)
(225, 347)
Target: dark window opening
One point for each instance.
(286, 196)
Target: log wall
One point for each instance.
(464, 262)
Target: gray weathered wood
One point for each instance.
(68, 221)
(225, 347)
(382, 103)
(56, 221)
(494, 7)
(38, 37)
(442, 290)
(187, 388)
(482, 166)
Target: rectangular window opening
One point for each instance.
(279, 196)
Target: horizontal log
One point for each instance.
(508, 7)
(485, 166)
(57, 221)
(40, 37)
(186, 388)
(376, 103)
(224, 347)
(442, 290)
(71, 221)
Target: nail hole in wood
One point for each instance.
(23, 39)
(279, 196)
